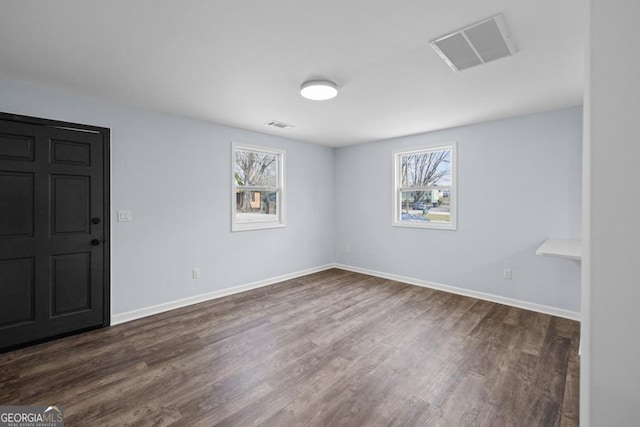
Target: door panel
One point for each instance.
(70, 152)
(17, 201)
(71, 203)
(17, 291)
(70, 283)
(54, 229)
(16, 147)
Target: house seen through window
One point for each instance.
(425, 187)
(258, 188)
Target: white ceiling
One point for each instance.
(241, 62)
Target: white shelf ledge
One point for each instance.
(563, 248)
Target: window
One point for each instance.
(258, 188)
(425, 187)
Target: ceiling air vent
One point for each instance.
(279, 125)
(476, 44)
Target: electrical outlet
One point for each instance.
(195, 273)
(347, 249)
(507, 274)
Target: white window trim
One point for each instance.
(259, 225)
(397, 218)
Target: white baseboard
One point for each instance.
(160, 308)
(553, 311)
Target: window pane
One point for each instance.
(256, 168)
(256, 206)
(423, 169)
(425, 206)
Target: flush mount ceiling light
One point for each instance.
(318, 90)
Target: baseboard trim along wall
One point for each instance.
(553, 311)
(172, 305)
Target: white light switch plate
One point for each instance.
(124, 216)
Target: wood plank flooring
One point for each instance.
(333, 348)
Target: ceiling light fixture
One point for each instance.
(318, 90)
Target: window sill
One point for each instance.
(431, 226)
(248, 226)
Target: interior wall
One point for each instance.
(610, 373)
(174, 175)
(519, 182)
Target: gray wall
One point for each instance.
(174, 175)
(610, 372)
(519, 182)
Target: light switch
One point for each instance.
(124, 216)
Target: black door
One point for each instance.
(54, 229)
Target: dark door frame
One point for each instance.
(106, 139)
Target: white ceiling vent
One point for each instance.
(482, 42)
(280, 125)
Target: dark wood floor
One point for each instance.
(329, 349)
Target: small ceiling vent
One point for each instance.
(279, 125)
(482, 42)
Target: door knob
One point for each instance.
(95, 221)
(95, 242)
